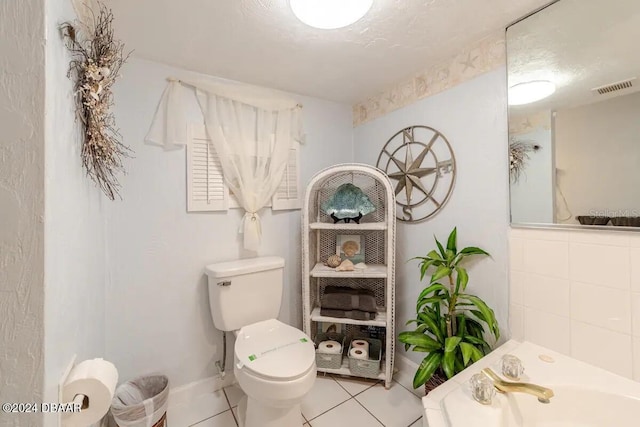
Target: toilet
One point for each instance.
(274, 363)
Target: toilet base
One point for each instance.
(252, 413)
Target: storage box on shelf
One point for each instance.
(370, 367)
(329, 360)
(377, 231)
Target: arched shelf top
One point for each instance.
(374, 182)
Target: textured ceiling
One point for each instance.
(261, 41)
(579, 45)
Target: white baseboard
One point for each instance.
(406, 370)
(405, 365)
(188, 392)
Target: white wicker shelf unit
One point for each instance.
(377, 230)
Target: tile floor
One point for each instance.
(333, 402)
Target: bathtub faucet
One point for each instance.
(543, 394)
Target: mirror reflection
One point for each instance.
(574, 114)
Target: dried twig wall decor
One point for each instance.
(97, 60)
(518, 157)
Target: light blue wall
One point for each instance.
(532, 196)
(473, 117)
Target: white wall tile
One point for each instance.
(601, 347)
(600, 265)
(516, 254)
(599, 237)
(547, 294)
(634, 239)
(544, 234)
(518, 233)
(594, 313)
(636, 358)
(547, 330)
(600, 306)
(548, 258)
(635, 313)
(516, 322)
(516, 288)
(634, 260)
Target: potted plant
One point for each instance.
(450, 324)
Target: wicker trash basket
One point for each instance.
(141, 402)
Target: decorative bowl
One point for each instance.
(626, 221)
(593, 220)
(348, 203)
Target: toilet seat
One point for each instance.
(275, 351)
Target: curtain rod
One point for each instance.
(173, 79)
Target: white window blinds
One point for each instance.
(206, 190)
(288, 194)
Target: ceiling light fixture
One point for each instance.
(528, 92)
(330, 14)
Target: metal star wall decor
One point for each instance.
(421, 163)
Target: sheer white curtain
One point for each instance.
(251, 130)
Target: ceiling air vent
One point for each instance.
(614, 87)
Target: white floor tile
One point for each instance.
(405, 379)
(235, 413)
(396, 407)
(325, 394)
(224, 419)
(418, 423)
(234, 394)
(202, 407)
(348, 414)
(355, 385)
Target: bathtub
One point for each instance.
(585, 396)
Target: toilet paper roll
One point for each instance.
(359, 353)
(96, 379)
(330, 347)
(360, 344)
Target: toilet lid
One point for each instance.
(274, 350)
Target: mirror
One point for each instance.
(574, 114)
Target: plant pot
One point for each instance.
(437, 379)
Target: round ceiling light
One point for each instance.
(528, 92)
(330, 14)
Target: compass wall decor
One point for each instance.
(421, 164)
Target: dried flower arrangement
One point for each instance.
(518, 157)
(98, 58)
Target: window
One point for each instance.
(206, 189)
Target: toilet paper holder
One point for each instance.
(80, 400)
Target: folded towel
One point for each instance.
(347, 290)
(347, 314)
(348, 299)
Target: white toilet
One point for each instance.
(274, 362)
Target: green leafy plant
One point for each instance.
(450, 324)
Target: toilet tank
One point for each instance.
(245, 291)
